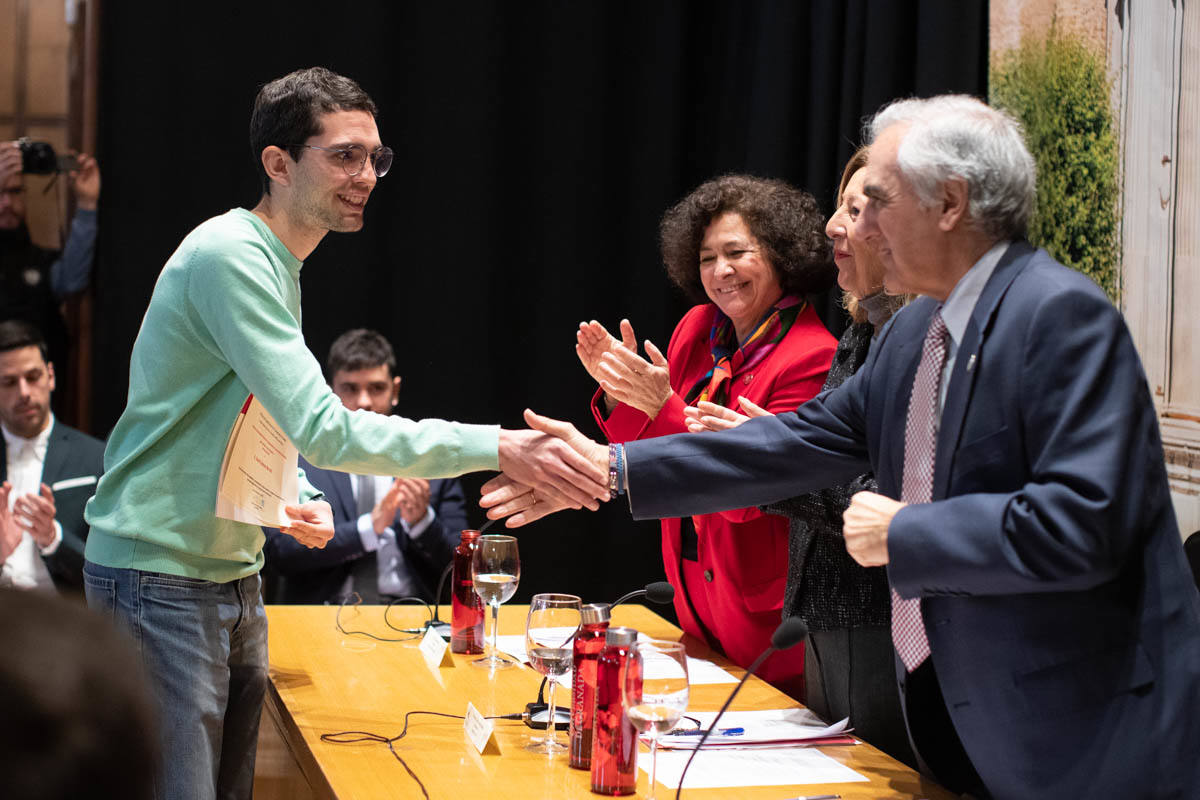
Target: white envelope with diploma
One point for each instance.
(259, 471)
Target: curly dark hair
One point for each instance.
(786, 222)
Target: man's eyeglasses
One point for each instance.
(354, 156)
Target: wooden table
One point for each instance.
(324, 682)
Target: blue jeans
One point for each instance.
(204, 646)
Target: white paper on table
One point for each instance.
(514, 645)
(774, 767)
(780, 726)
(704, 672)
(699, 670)
(259, 470)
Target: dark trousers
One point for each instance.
(933, 735)
(851, 673)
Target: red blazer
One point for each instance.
(744, 551)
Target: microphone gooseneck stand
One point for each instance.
(790, 633)
(441, 626)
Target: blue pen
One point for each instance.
(700, 732)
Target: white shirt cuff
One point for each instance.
(52, 548)
(366, 532)
(424, 522)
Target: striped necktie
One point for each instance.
(920, 447)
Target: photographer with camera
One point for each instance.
(35, 280)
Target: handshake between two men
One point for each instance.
(532, 485)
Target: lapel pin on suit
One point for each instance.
(971, 362)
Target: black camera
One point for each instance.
(39, 158)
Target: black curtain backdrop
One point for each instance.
(537, 144)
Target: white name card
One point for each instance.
(436, 650)
(480, 732)
(71, 483)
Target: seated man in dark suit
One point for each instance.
(392, 537)
(47, 471)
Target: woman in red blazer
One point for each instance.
(749, 250)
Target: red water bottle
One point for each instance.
(614, 740)
(588, 644)
(466, 609)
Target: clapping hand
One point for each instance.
(705, 416)
(409, 496)
(591, 342)
(10, 532)
(625, 376)
(414, 499)
(38, 511)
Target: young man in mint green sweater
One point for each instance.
(223, 322)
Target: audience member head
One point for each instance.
(947, 177)
(288, 111)
(76, 721)
(362, 371)
(26, 379)
(743, 242)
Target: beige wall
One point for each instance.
(1010, 19)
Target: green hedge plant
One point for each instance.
(1059, 89)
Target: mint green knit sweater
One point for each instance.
(224, 321)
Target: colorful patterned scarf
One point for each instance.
(728, 358)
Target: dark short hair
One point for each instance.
(360, 349)
(78, 720)
(17, 333)
(288, 110)
(786, 222)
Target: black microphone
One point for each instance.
(659, 592)
(441, 627)
(790, 633)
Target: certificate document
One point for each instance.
(259, 471)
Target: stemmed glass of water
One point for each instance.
(495, 572)
(656, 698)
(550, 630)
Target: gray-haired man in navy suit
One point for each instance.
(47, 471)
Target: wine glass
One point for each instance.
(655, 699)
(550, 630)
(495, 571)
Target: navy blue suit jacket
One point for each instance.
(311, 576)
(1063, 622)
(74, 463)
